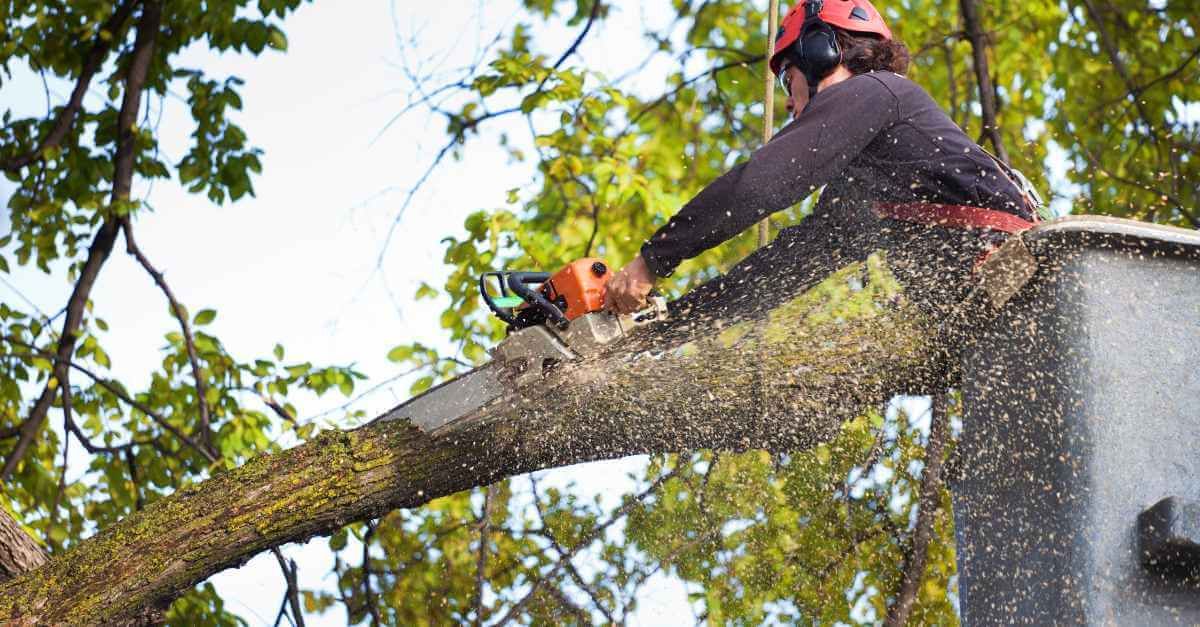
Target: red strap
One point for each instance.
(953, 216)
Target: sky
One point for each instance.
(297, 263)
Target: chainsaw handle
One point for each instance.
(519, 283)
(508, 318)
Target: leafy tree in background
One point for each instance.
(809, 536)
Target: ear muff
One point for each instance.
(816, 52)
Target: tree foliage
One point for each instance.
(1108, 89)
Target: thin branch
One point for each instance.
(116, 391)
(459, 135)
(562, 555)
(586, 541)
(189, 342)
(931, 493)
(73, 429)
(368, 594)
(292, 595)
(573, 47)
(987, 93)
(683, 84)
(1118, 64)
(105, 37)
(1171, 198)
(1139, 90)
(485, 516)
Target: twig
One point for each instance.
(931, 492)
(292, 595)
(181, 316)
(119, 393)
(587, 540)
(368, 594)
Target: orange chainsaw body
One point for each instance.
(579, 287)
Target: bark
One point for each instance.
(18, 552)
(847, 344)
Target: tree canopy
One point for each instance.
(1095, 100)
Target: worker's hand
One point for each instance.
(627, 290)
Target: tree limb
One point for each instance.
(19, 553)
(343, 476)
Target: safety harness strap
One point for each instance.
(957, 217)
(953, 216)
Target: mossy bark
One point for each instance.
(783, 381)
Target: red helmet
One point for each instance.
(856, 16)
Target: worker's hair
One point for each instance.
(865, 53)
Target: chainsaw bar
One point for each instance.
(440, 408)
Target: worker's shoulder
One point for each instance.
(897, 84)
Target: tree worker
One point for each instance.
(898, 174)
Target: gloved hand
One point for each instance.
(627, 290)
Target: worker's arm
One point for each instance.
(835, 127)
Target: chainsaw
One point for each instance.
(552, 319)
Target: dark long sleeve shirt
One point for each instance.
(872, 137)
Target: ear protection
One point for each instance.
(815, 52)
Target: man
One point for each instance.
(894, 166)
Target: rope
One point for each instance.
(764, 227)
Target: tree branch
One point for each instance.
(102, 244)
(562, 555)
(105, 37)
(341, 476)
(586, 541)
(292, 595)
(19, 553)
(987, 92)
(931, 494)
(181, 315)
(116, 391)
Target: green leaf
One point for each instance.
(400, 353)
(276, 39)
(204, 316)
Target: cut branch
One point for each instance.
(848, 363)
